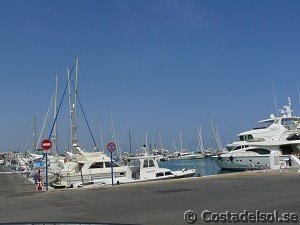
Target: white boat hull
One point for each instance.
(257, 162)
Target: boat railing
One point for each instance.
(244, 154)
(286, 134)
(256, 140)
(91, 177)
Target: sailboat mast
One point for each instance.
(146, 141)
(75, 99)
(214, 132)
(174, 144)
(198, 138)
(201, 139)
(55, 112)
(129, 142)
(114, 136)
(101, 137)
(70, 107)
(180, 136)
(34, 134)
(160, 140)
(217, 136)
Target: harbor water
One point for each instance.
(204, 166)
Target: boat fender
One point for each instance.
(219, 157)
(231, 158)
(133, 174)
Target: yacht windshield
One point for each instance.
(291, 122)
(260, 151)
(265, 124)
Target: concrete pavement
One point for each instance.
(161, 202)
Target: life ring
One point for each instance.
(133, 174)
(231, 158)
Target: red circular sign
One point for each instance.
(111, 146)
(46, 144)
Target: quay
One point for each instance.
(159, 202)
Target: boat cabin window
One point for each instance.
(151, 163)
(286, 149)
(96, 165)
(148, 163)
(260, 151)
(168, 173)
(133, 163)
(159, 174)
(246, 137)
(241, 147)
(145, 163)
(107, 164)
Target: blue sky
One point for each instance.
(154, 65)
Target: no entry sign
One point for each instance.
(46, 144)
(111, 147)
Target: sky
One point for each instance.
(152, 66)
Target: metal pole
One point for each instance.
(112, 169)
(39, 179)
(46, 171)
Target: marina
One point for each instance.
(164, 112)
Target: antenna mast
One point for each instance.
(275, 101)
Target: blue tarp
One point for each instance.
(39, 164)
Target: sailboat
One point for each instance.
(161, 152)
(200, 148)
(183, 153)
(79, 166)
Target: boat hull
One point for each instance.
(251, 162)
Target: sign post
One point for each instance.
(39, 183)
(111, 147)
(46, 145)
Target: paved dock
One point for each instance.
(161, 202)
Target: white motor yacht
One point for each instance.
(279, 134)
(85, 167)
(185, 154)
(251, 158)
(146, 168)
